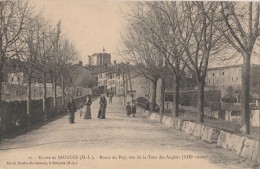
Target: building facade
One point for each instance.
(224, 77)
(99, 59)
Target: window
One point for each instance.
(223, 73)
(213, 74)
(18, 79)
(209, 81)
(12, 79)
(236, 78)
(232, 79)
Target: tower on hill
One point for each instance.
(99, 59)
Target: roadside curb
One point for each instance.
(244, 146)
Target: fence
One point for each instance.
(13, 115)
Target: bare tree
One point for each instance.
(204, 42)
(31, 47)
(44, 35)
(66, 56)
(12, 16)
(143, 53)
(241, 28)
(161, 23)
(53, 63)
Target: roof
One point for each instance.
(231, 66)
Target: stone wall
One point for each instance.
(241, 145)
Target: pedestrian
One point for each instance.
(71, 107)
(133, 108)
(86, 108)
(128, 109)
(110, 97)
(102, 107)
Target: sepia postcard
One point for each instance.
(108, 84)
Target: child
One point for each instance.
(133, 107)
(128, 109)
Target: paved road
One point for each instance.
(115, 142)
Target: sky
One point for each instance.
(93, 24)
(90, 25)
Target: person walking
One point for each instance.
(102, 108)
(87, 108)
(110, 97)
(133, 108)
(71, 107)
(128, 109)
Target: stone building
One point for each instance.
(226, 76)
(100, 59)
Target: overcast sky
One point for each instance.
(90, 25)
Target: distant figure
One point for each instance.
(128, 109)
(110, 97)
(87, 108)
(71, 107)
(102, 108)
(133, 108)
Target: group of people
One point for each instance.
(86, 111)
(131, 109)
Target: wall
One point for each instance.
(139, 84)
(13, 115)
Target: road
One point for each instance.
(116, 142)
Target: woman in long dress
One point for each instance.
(102, 108)
(87, 108)
(71, 107)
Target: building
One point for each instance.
(100, 59)
(81, 76)
(15, 77)
(111, 81)
(226, 76)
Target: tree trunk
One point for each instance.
(63, 91)
(130, 83)
(28, 106)
(124, 87)
(154, 86)
(176, 97)
(200, 105)
(54, 92)
(162, 99)
(1, 78)
(44, 97)
(245, 99)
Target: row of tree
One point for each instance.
(166, 38)
(29, 38)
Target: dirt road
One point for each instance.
(116, 142)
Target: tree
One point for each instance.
(12, 17)
(240, 26)
(143, 53)
(44, 36)
(204, 43)
(162, 23)
(54, 63)
(65, 57)
(31, 48)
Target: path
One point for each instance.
(127, 139)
